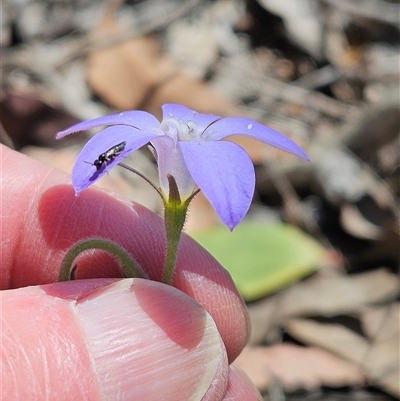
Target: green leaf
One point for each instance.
(263, 258)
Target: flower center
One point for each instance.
(180, 131)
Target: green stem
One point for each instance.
(129, 267)
(174, 219)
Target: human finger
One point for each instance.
(102, 339)
(42, 219)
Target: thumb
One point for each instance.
(103, 339)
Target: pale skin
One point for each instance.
(100, 337)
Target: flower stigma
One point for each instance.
(181, 131)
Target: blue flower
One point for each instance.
(188, 146)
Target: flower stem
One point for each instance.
(129, 267)
(174, 219)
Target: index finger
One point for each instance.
(42, 218)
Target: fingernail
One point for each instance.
(148, 339)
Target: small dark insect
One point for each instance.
(108, 156)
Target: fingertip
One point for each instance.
(240, 387)
(146, 339)
(134, 337)
(201, 276)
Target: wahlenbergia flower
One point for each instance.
(189, 146)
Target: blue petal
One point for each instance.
(85, 173)
(244, 126)
(184, 115)
(136, 118)
(225, 174)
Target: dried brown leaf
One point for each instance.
(378, 359)
(297, 367)
(136, 73)
(324, 295)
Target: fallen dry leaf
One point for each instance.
(381, 324)
(135, 73)
(354, 223)
(333, 337)
(126, 75)
(322, 295)
(379, 360)
(297, 367)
